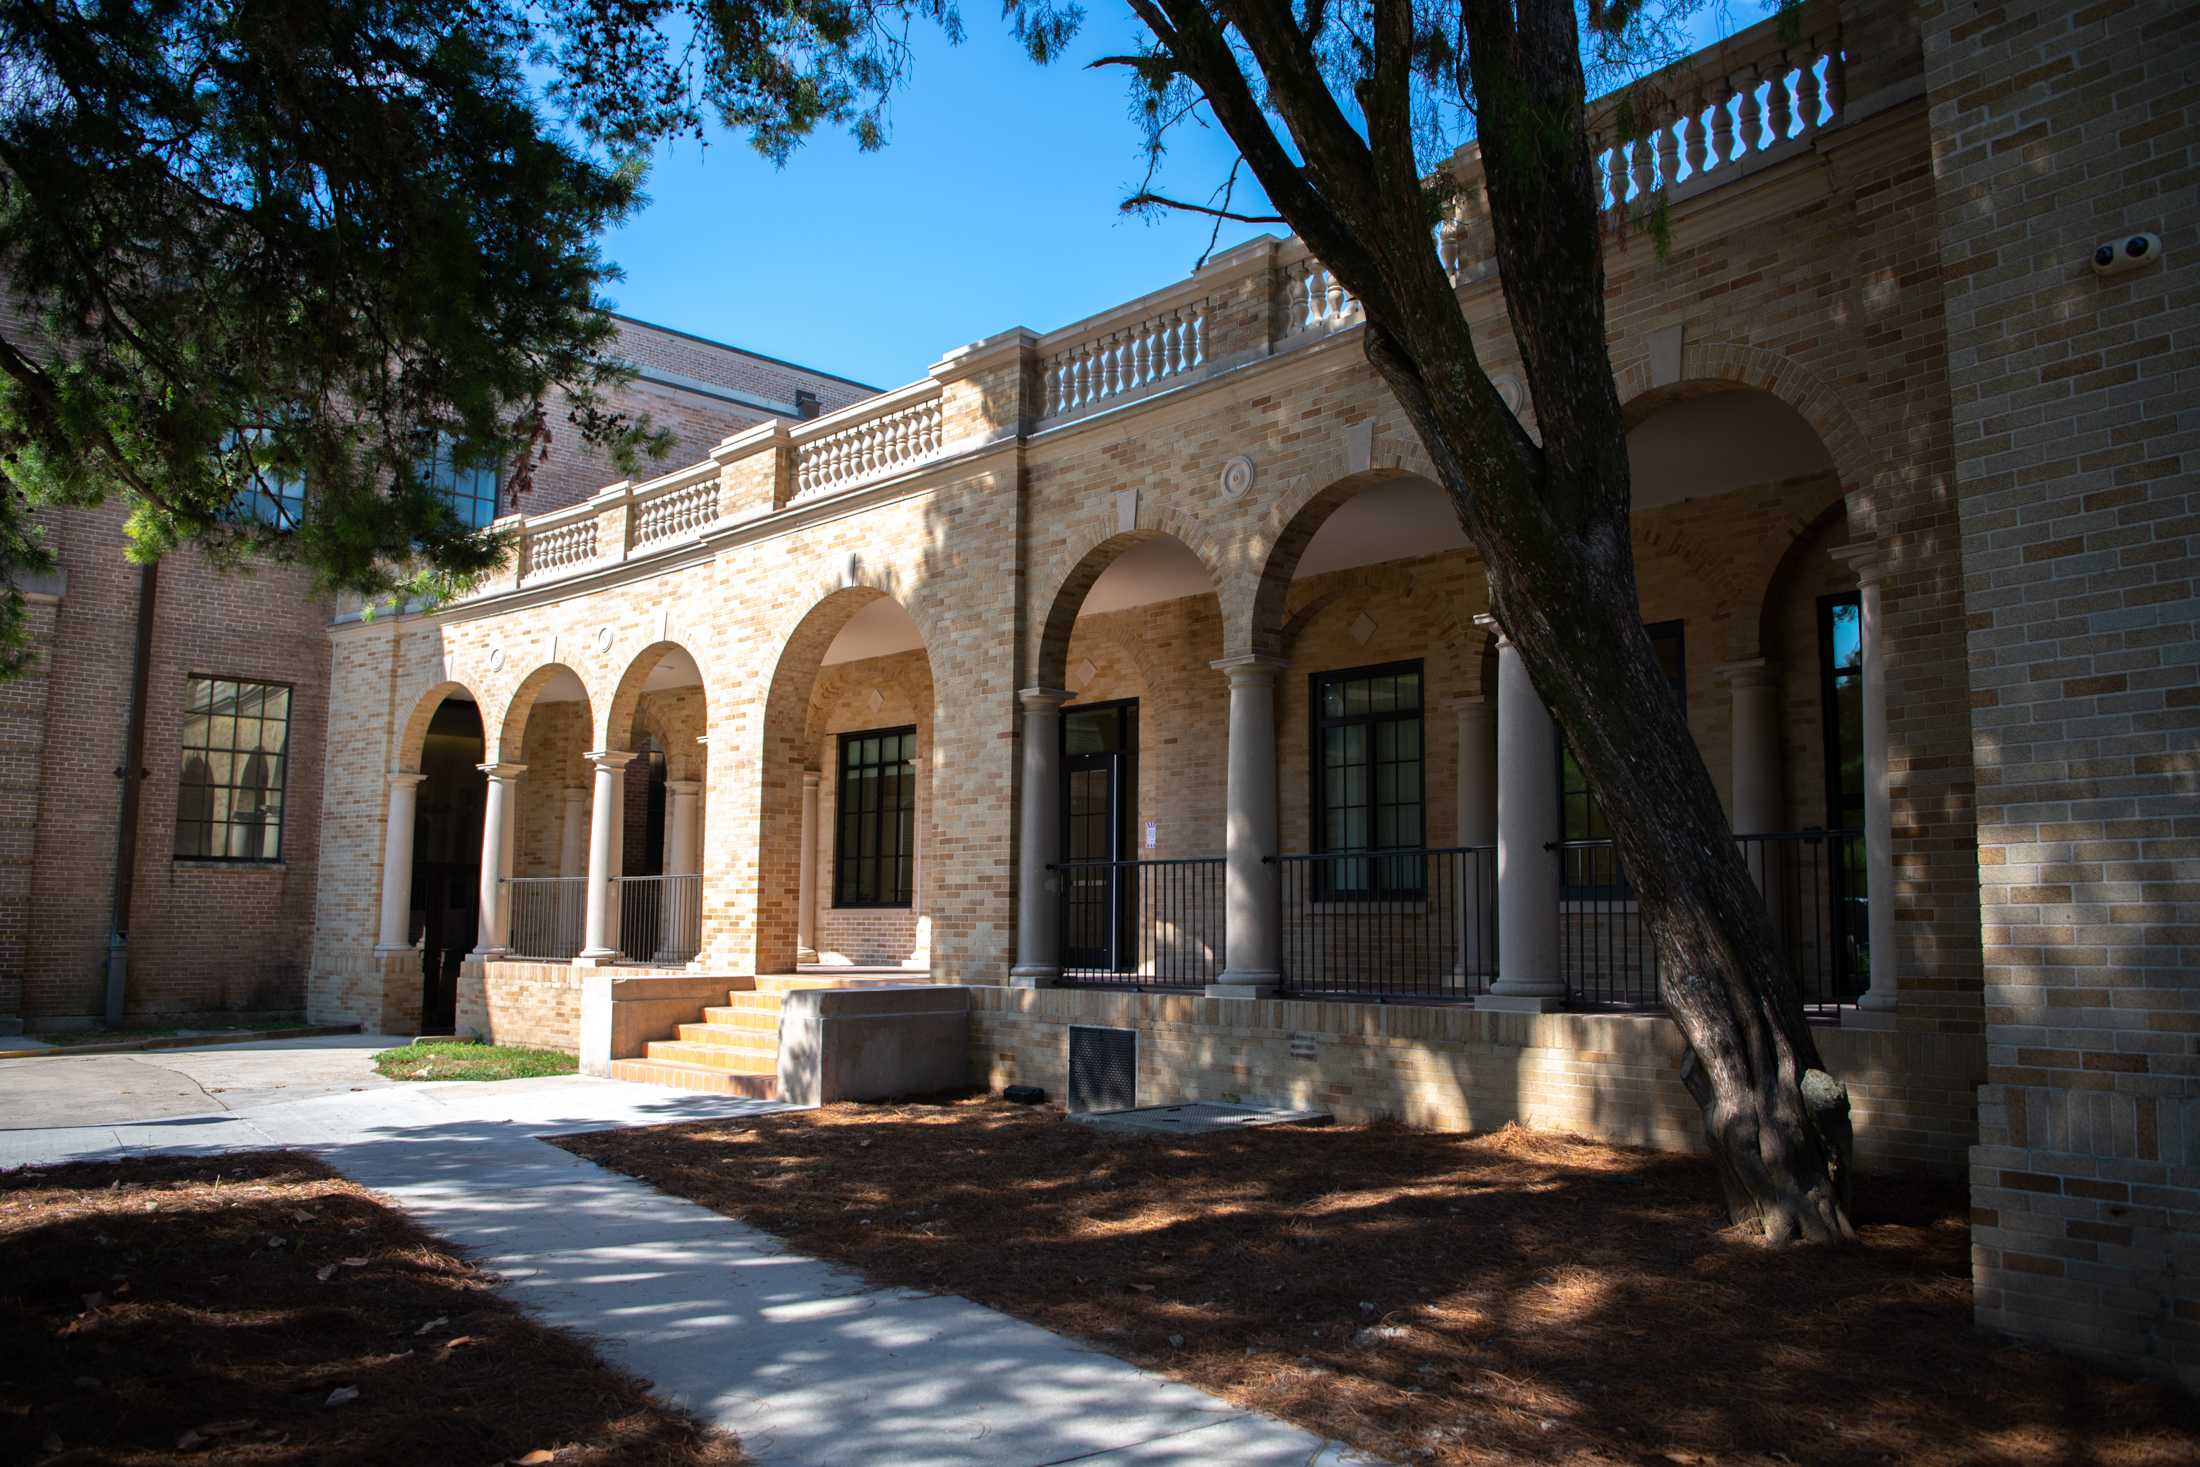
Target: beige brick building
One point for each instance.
(1134, 676)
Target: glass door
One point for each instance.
(1099, 804)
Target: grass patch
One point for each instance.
(260, 1309)
(457, 1059)
(1434, 1298)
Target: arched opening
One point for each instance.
(660, 713)
(549, 728)
(1386, 870)
(1132, 635)
(444, 906)
(846, 821)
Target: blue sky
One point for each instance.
(993, 205)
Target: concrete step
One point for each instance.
(711, 1056)
(731, 1036)
(783, 982)
(759, 1019)
(696, 1077)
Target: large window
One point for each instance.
(467, 482)
(229, 805)
(274, 497)
(1841, 694)
(1367, 778)
(876, 812)
(1593, 870)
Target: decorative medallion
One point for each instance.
(1084, 672)
(1237, 477)
(496, 659)
(1363, 627)
(603, 638)
(877, 700)
(1508, 391)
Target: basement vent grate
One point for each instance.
(1103, 1068)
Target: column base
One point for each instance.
(1245, 983)
(1873, 998)
(1520, 1003)
(484, 954)
(1239, 990)
(1034, 975)
(384, 954)
(595, 957)
(1867, 1020)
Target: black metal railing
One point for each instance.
(548, 914)
(1405, 923)
(1813, 883)
(1141, 924)
(660, 919)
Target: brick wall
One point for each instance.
(2056, 127)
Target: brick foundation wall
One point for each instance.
(534, 1004)
(1613, 1077)
(2056, 128)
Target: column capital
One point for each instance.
(1489, 623)
(612, 759)
(406, 776)
(1250, 667)
(1044, 700)
(1867, 558)
(1751, 672)
(812, 778)
(686, 789)
(502, 770)
(1477, 706)
(575, 793)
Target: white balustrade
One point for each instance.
(561, 547)
(870, 449)
(1737, 110)
(1126, 360)
(1314, 300)
(672, 513)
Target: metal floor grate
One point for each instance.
(1103, 1068)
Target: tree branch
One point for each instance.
(1146, 200)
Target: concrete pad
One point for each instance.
(811, 1365)
(1200, 1117)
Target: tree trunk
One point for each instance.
(1550, 518)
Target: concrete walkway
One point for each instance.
(807, 1363)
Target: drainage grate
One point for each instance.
(1103, 1068)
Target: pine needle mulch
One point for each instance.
(258, 1309)
(1508, 1297)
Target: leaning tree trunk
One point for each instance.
(1550, 517)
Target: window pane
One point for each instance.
(229, 794)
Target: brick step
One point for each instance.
(711, 1056)
(696, 1077)
(760, 1020)
(731, 1036)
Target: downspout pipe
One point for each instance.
(132, 773)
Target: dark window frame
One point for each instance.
(1829, 708)
(1383, 883)
(278, 785)
(1675, 632)
(845, 864)
(439, 466)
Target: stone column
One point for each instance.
(394, 939)
(1528, 978)
(1252, 915)
(1039, 841)
(1754, 688)
(682, 903)
(496, 858)
(805, 901)
(606, 845)
(1870, 567)
(1477, 719)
